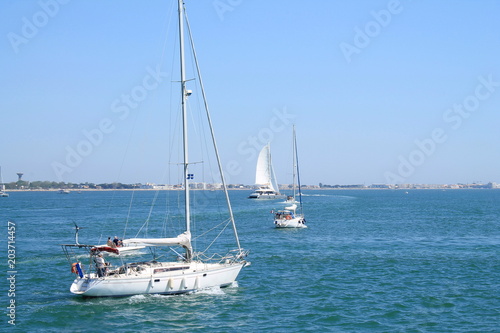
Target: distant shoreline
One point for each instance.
(244, 189)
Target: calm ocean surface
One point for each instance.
(370, 261)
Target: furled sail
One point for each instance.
(183, 239)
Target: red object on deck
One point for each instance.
(105, 249)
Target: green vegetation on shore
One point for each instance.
(48, 185)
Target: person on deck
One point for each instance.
(100, 265)
(110, 242)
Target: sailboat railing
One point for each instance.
(229, 257)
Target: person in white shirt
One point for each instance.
(101, 265)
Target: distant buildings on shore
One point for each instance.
(45, 185)
(218, 186)
(412, 186)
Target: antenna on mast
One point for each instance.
(77, 228)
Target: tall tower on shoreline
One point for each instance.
(19, 175)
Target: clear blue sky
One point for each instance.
(379, 91)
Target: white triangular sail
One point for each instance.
(264, 175)
(263, 172)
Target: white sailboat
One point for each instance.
(2, 189)
(265, 179)
(192, 270)
(289, 217)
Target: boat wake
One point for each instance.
(211, 291)
(316, 195)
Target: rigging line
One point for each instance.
(298, 173)
(118, 177)
(127, 147)
(209, 119)
(128, 214)
(146, 223)
(162, 56)
(197, 131)
(294, 165)
(140, 229)
(174, 123)
(204, 145)
(167, 210)
(210, 230)
(153, 203)
(201, 135)
(220, 233)
(194, 217)
(168, 24)
(200, 130)
(174, 128)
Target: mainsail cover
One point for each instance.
(183, 239)
(264, 174)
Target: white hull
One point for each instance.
(195, 277)
(266, 196)
(297, 222)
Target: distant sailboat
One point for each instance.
(265, 178)
(288, 217)
(2, 191)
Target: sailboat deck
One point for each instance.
(161, 269)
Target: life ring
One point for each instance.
(288, 217)
(73, 268)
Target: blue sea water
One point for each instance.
(370, 261)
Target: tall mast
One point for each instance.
(270, 165)
(294, 163)
(2, 185)
(184, 96)
(298, 171)
(272, 176)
